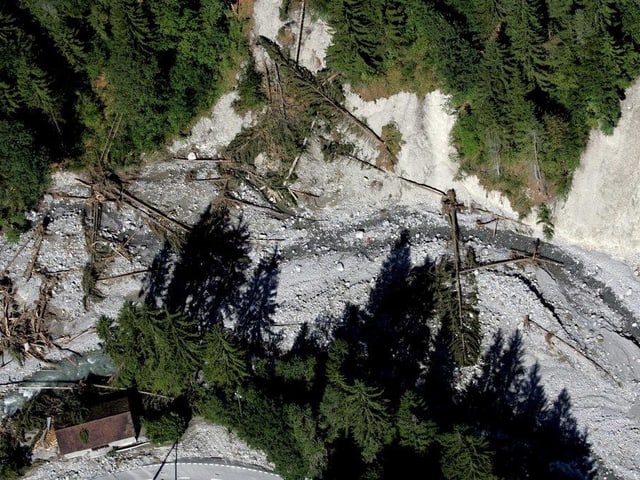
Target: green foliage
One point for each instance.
(545, 217)
(250, 89)
(366, 402)
(529, 79)
(465, 456)
(393, 139)
(332, 149)
(458, 315)
(259, 420)
(13, 456)
(67, 407)
(356, 409)
(367, 34)
(376, 396)
(153, 350)
(301, 106)
(366, 418)
(413, 430)
(166, 428)
(297, 369)
(224, 363)
(307, 437)
(23, 174)
(126, 73)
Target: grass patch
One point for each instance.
(392, 137)
(421, 81)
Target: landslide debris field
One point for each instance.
(577, 311)
(99, 240)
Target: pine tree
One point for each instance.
(523, 27)
(414, 431)
(354, 409)
(35, 90)
(458, 316)
(65, 38)
(488, 15)
(153, 350)
(366, 417)
(306, 435)
(224, 363)
(23, 174)
(465, 456)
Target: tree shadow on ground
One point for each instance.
(392, 333)
(395, 343)
(202, 283)
(256, 305)
(531, 437)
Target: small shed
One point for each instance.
(109, 424)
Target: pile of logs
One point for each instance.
(23, 331)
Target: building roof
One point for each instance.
(96, 433)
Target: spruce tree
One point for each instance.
(465, 456)
(224, 362)
(153, 350)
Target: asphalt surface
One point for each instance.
(193, 469)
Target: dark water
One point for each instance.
(69, 370)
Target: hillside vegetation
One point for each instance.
(102, 82)
(372, 393)
(528, 78)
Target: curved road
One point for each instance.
(194, 469)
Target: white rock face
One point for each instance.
(266, 18)
(314, 38)
(314, 42)
(602, 210)
(427, 155)
(214, 131)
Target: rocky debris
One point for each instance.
(201, 440)
(578, 320)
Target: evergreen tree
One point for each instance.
(56, 20)
(523, 27)
(23, 174)
(458, 316)
(414, 431)
(353, 409)
(465, 456)
(153, 350)
(307, 438)
(224, 363)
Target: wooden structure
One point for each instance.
(109, 425)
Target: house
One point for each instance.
(109, 424)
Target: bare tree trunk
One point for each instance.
(537, 168)
(302, 12)
(451, 209)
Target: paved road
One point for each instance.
(193, 470)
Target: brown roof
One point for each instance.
(99, 433)
(107, 408)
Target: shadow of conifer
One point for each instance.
(531, 438)
(156, 282)
(390, 336)
(203, 281)
(437, 385)
(256, 305)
